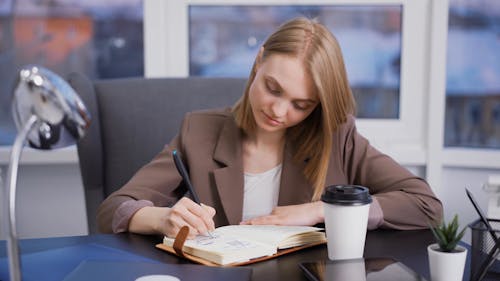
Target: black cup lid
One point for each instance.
(346, 195)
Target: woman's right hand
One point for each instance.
(168, 221)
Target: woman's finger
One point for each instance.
(191, 215)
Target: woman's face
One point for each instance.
(281, 95)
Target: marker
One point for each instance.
(185, 176)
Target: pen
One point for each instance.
(184, 174)
(481, 215)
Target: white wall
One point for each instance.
(50, 201)
(453, 194)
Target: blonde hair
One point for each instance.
(320, 52)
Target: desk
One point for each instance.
(409, 247)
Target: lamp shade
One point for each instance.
(62, 118)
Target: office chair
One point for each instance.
(132, 120)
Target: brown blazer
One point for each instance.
(210, 144)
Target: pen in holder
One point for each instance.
(485, 243)
(484, 250)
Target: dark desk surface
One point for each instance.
(409, 247)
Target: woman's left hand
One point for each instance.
(303, 214)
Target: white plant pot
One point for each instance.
(445, 266)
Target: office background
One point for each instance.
(426, 75)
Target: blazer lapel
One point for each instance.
(294, 187)
(229, 178)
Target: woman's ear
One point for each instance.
(258, 59)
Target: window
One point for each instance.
(390, 88)
(473, 75)
(102, 39)
(223, 41)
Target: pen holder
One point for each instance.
(481, 245)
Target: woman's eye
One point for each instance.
(273, 90)
(299, 107)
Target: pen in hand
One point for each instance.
(184, 174)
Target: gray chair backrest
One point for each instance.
(132, 120)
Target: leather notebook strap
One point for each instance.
(180, 238)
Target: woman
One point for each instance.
(268, 159)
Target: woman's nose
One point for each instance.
(279, 108)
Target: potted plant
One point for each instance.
(446, 258)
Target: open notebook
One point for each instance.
(243, 244)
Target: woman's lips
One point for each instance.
(272, 121)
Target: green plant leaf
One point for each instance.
(447, 235)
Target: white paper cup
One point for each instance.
(346, 209)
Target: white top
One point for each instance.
(261, 192)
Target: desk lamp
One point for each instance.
(49, 114)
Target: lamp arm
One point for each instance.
(11, 183)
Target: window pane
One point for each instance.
(473, 74)
(102, 39)
(225, 39)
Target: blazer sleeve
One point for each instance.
(157, 182)
(407, 201)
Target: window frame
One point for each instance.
(167, 55)
(420, 129)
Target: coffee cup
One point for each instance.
(346, 209)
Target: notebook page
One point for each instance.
(224, 248)
(268, 234)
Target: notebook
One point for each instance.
(243, 244)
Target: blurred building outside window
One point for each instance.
(473, 75)
(102, 39)
(223, 41)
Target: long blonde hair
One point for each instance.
(320, 52)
